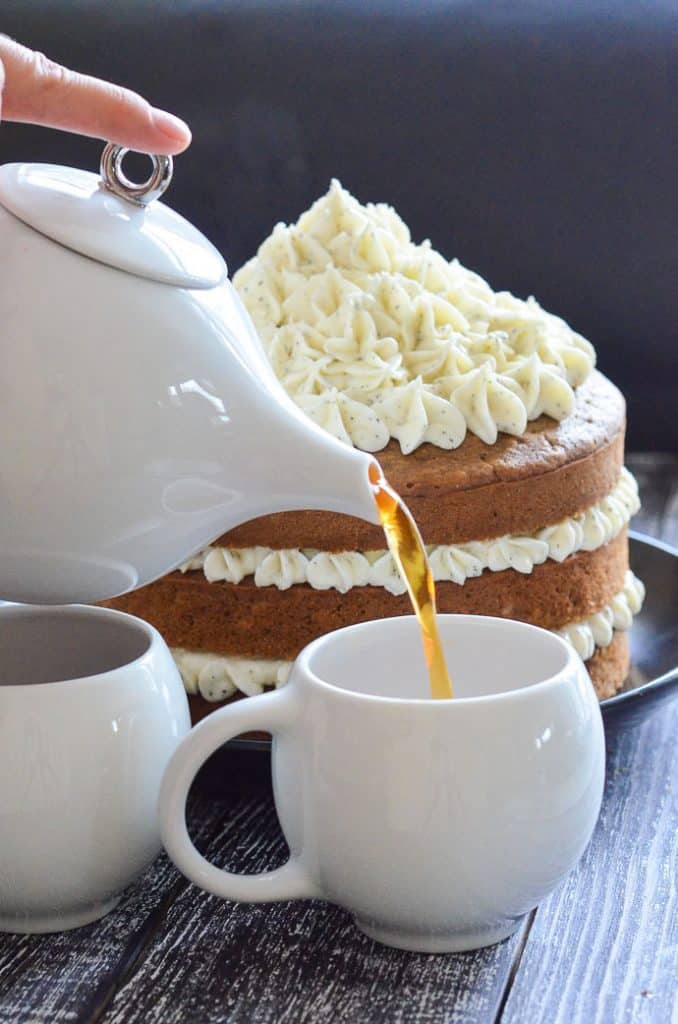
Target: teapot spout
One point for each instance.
(314, 470)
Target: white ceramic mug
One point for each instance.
(437, 824)
(91, 708)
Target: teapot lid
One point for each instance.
(112, 220)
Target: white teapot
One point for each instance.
(139, 417)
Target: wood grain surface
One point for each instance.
(294, 962)
(71, 976)
(603, 949)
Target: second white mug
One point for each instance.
(91, 707)
(437, 824)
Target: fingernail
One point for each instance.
(171, 126)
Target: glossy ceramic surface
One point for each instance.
(91, 708)
(72, 207)
(438, 824)
(140, 421)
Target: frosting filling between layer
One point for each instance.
(216, 677)
(325, 570)
(598, 630)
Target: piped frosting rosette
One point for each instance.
(376, 337)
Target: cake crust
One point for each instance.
(477, 491)
(610, 665)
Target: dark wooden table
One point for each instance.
(601, 950)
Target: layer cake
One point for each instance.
(486, 415)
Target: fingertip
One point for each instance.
(172, 129)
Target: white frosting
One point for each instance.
(376, 337)
(281, 569)
(597, 525)
(457, 562)
(346, 419)
(326, 571)
(233, 564)
(598, 630)
(343, 570)
(414, 414)
(216, 677)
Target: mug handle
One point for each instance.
(271, 712)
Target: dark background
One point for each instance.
(534, 140)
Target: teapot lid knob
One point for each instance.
(112, 219)
(115, 179)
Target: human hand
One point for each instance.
(35, 90)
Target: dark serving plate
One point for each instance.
(653, 679)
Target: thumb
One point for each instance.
(38, 91)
